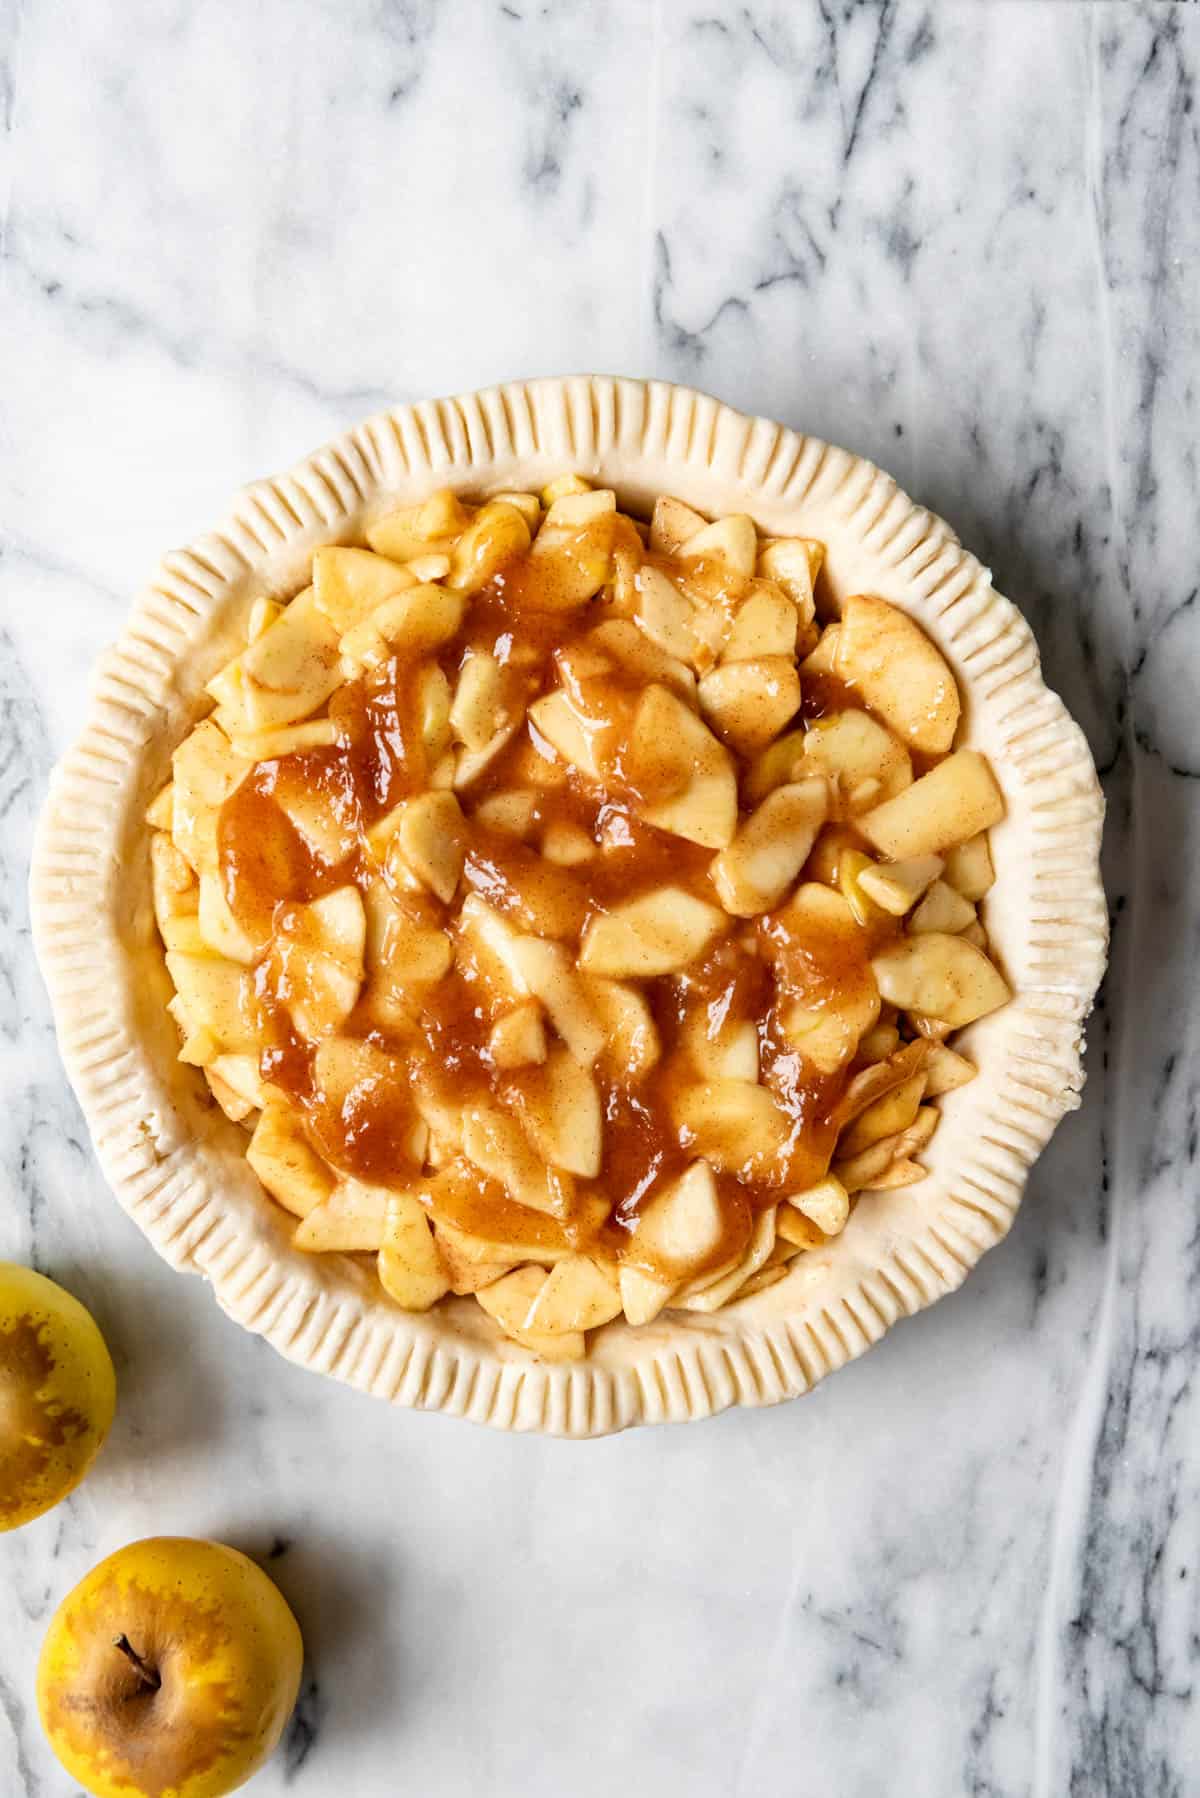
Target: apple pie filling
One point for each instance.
(574, 911)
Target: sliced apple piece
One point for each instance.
(348, 584)
(160, 813)
(792, 1226)
(946, 1070)
(549, 973)
(220, 929)
(643, 1296)
(860, 757)
(353, 1219)
(672, 524)
(735, 1126)
(173, 885)
(288, 739)
(947, 806)
(662, 932)
(293, 667)
(286, 1163)
(527, 504)
(484, 700)
(518, 1039)
(555, 720)
(497, 534)
(666, 615)
(712, 1296)
(763, 625)
(720, 1047)
(632, 1045)
(897, 886)
(731, 540)
(466, 1274)
(559, 1107)
(411, 1270)
(774, 766)
(430, 837)
(765, 857)
(567, 845)
(888, 658)
(794, 562)
(942, 977)
(509, 1302)
(685, 780)
(748, 703)
(416, 622)
(680, 1228)
(577, 1294)
(942, 909)
(889, 1115)
(498, 1146)
(206, 771)
(827, 1205)
(969, 868)
(216, 994)
(433, 527)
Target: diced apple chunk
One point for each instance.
(172, 883)
(953, 802)
(411, 1270)
(900, 674)
(662, 932)
(216, 994)
(941, 977)
(774, 766)
(160, 813)
(484, 700)
(206, 771)
(754, 872)
(748, 703)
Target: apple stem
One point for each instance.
(147, 1675)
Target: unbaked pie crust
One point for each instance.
(179, 1168)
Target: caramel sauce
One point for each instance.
(527, 618)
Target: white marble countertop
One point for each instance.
(961, 238)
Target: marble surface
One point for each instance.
(961, 238)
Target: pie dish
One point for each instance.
(754, 1316)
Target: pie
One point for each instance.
(573, 903)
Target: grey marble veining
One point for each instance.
(962, 238)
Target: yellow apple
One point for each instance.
(171, 1668)
(57, 1394)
